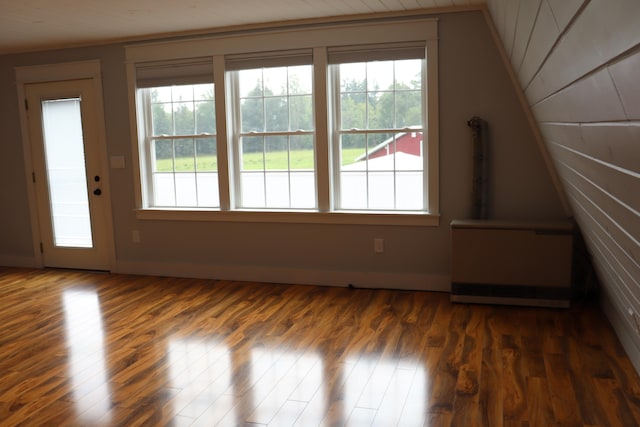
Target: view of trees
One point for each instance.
(190, 110)
(183, 110)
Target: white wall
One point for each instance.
(579, 63)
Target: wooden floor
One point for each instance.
(92, 349)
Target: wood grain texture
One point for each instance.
(96, 349)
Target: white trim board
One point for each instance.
(299, 276)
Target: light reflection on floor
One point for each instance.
(384, 392)
(285, 382)
(277, 388)
(264, 385)
(200, 371)
(85, 339)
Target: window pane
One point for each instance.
(161, 94)
(301, 112)
(353, 109)
(163, 154)
(381, 189)
(352, 77)
(408, 109)
(301, 154)
(252, 112)
(203, 92)
(353, 190)
(276, 114)
(208, 194)
(205, 117)
(277, 189)
(379, 75)
(184, 155)
(380, 145)
(206, 159)
(164, 189)
(184, 118)
(162, 119)
(252, 153)
(250, 82)
(353, 149)
(408, 74)
(303, 190)
(409, 190)
(275, 81)
(186, 193)
(300, 80)
(381, 110)
(182, 93)
(276, 153)
(252, 183)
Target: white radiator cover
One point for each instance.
(518, 263)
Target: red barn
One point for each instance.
(405, 142)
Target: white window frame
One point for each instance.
(318, 38)
(337, 132)
(237, 134)
(146, 122)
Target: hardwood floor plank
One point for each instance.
(95, 349)
(561, 392)
(491, 392)
(539, 403)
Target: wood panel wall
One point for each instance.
(578, 63)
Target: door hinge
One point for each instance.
(26, 104)
(33, 177)
(41, 248)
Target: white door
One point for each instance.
(63, 131)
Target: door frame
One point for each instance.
(55, 73)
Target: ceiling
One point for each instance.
(30, 25)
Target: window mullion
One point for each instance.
(195, 168)
(150, 155)
(173, 168)
(289, 164)
(323, 139)
(223, 153)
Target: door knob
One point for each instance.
(97, 192)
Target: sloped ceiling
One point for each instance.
(578, 63)
(28, 25)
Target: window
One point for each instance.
(332, 123)
(182, 146)
(274, 144)
(379, 135)
(179, 142)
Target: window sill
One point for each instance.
(297, 217)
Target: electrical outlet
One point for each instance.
(135, 236)
(378, 245)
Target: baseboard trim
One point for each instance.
(285, 275)
(18, 261)
(627, 336)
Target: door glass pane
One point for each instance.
(66, 173)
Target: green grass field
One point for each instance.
(277, 160)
